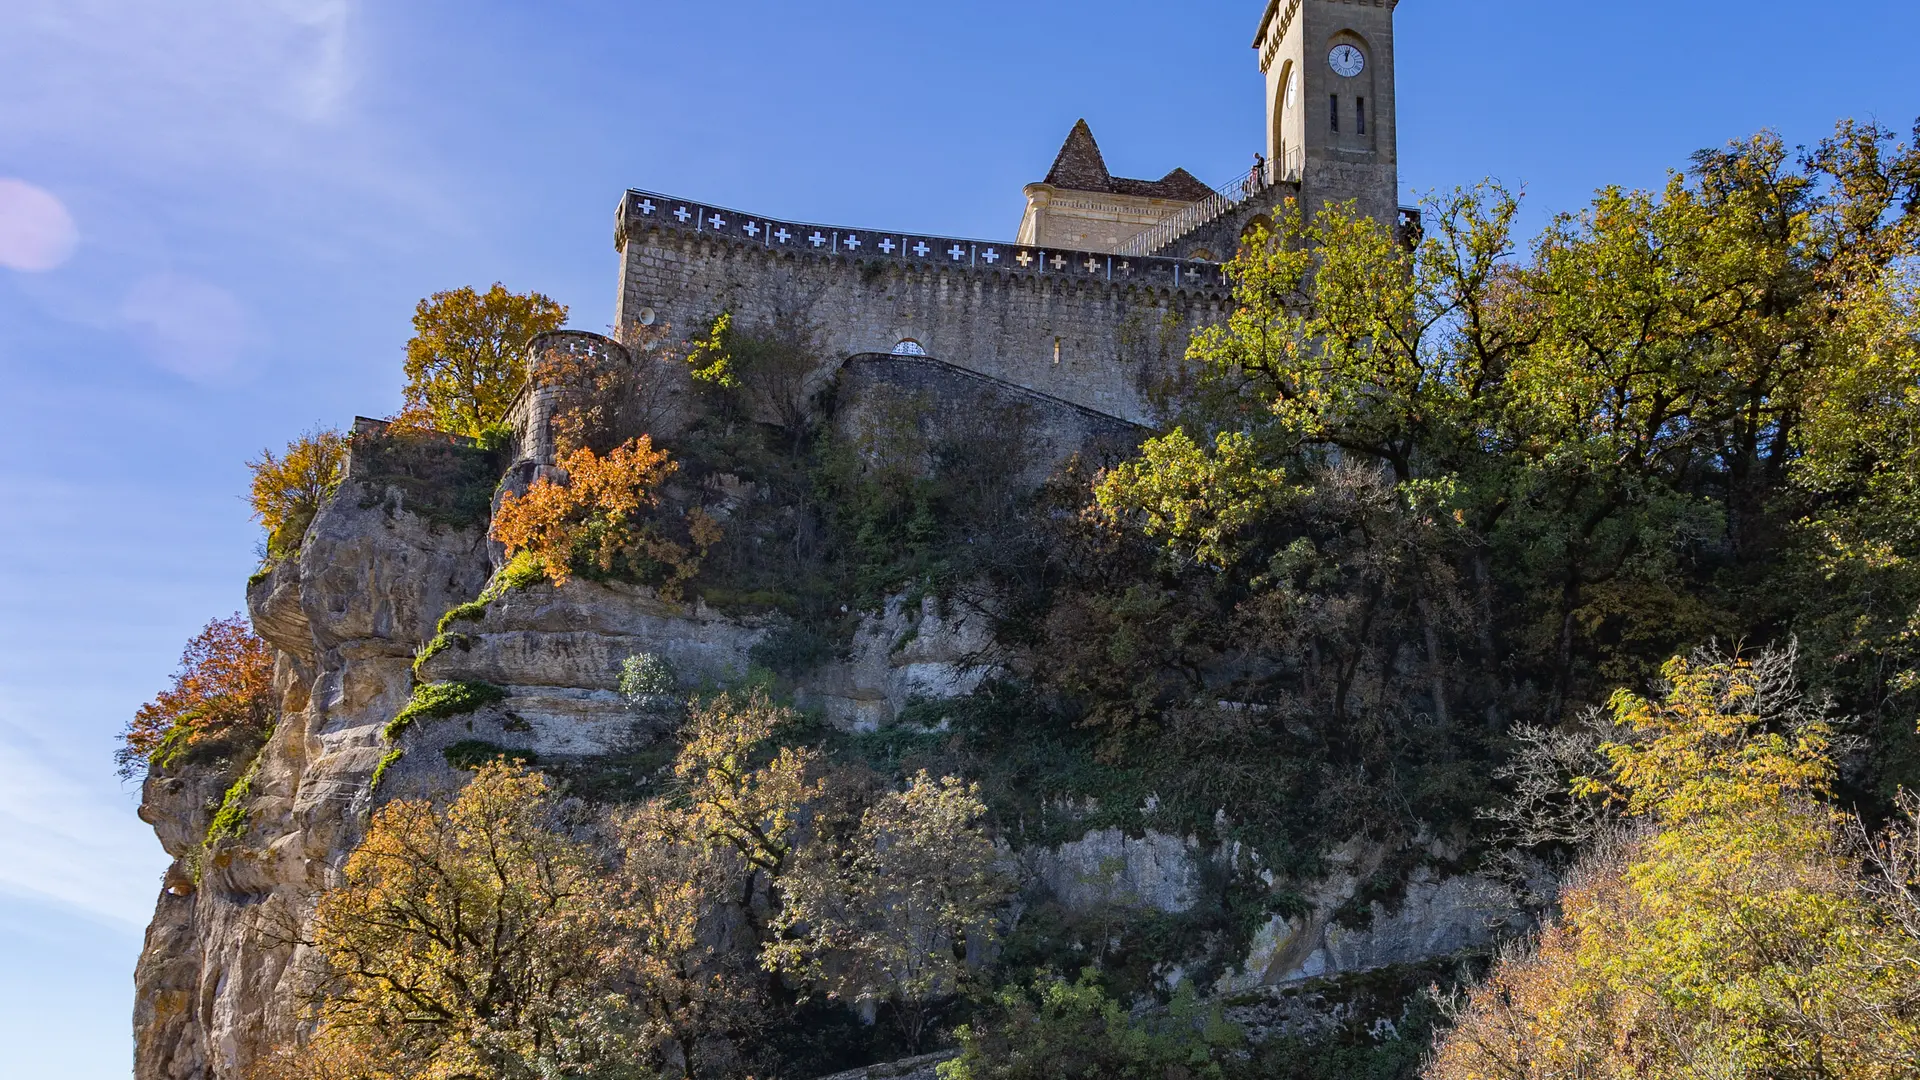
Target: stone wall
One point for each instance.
(952, 403)
(1099, 331)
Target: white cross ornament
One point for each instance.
(752, 228)
(783, 235)
(1024, 259)
(887, 245)
(850, 241)
(817, 240)
(1059, 262)
(647, 207)
(1093, 266)
(683, 214)
(958, 252)
(717, 221)
(920, 248)
(991, 256)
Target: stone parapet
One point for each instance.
(641, 210)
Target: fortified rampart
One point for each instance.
(1096, 330)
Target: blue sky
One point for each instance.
(216, 215)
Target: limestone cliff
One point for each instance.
(214, 986)
(219, 981)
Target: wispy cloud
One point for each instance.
(188, 96)
(187, 137)
(192, 328)
(199, 72)
(60, 841)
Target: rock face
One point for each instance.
(1107, 868)
(221, 981)
(217, 984)
(1434, 916)
(214, 986)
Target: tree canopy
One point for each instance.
(1728, 931)
(467, 359)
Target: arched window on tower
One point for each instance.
(908, 347)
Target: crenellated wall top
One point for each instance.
(642, 211)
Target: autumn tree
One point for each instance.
(289, 489)
(737, 801)
(767, 373)
(221, 702)
(1635, 426)
(686, 960)
(467, 359)
(890, 915)
(475, 941)
(602, 518)
(1730, 933)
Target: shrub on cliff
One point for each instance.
(603, 520)
(1061, 1029)
(288, 490)
(220, 703)
(468, 356)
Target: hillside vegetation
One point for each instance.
(1586, 563)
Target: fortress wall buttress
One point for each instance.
(1099, 331)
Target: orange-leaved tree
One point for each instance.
(288, 490)
(602, 520)
(221, 701)
(468, 356)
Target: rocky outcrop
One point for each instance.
(220, 981)
(1108, 869)
(216, 983)
(1434, 915)
(222, 978)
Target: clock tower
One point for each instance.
(1330, 102)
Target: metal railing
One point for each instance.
(1208, 210)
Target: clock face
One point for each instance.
(1347, 61)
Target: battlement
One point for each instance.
(644, 210)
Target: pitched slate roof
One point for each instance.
(1081, 167)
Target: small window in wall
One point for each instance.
(1334, 111)
(1360, 111)
(908, 347)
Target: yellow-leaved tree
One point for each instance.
(477, 941)
(889, 916)
(468, 356)
(736, 801)
(1729, 933)
(289, 489)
